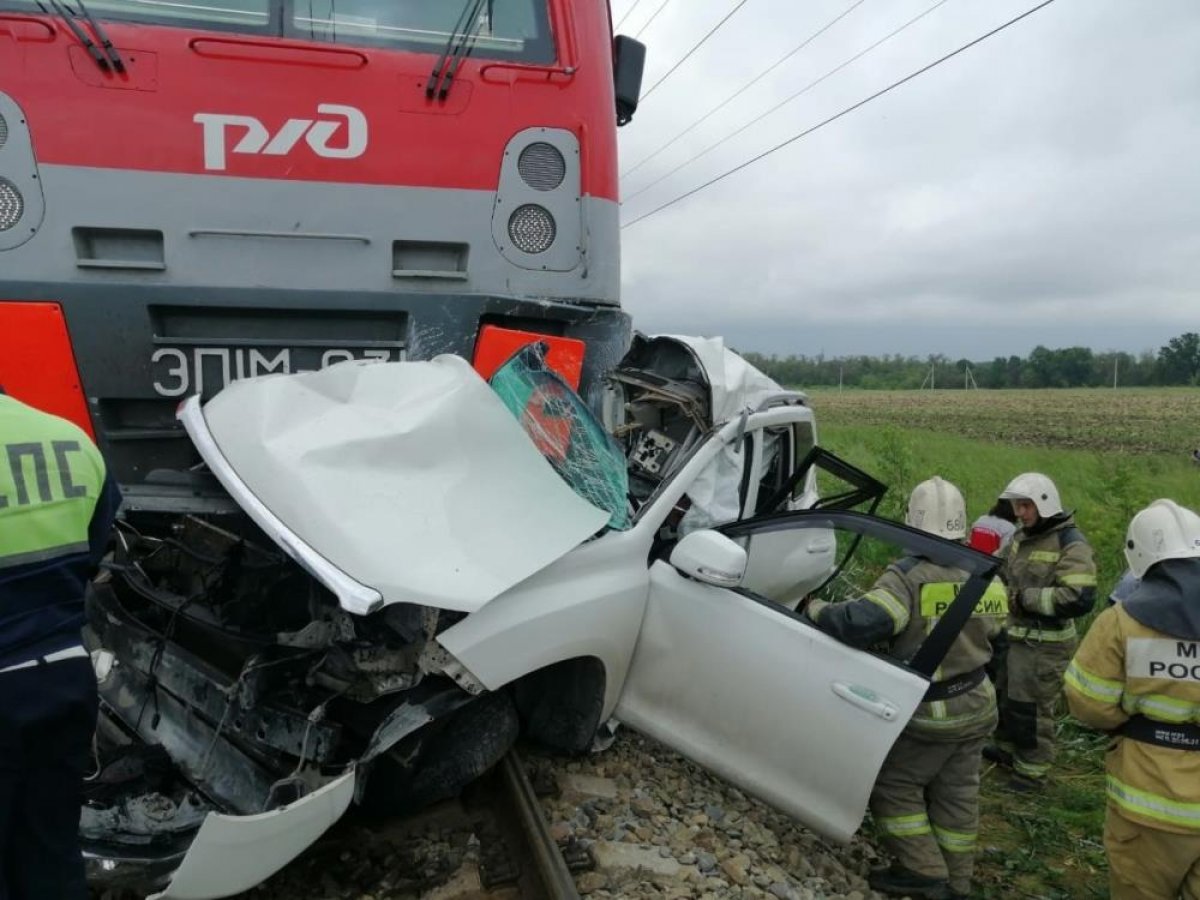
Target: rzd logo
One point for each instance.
(256, 139)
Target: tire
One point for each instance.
(449, 755)
(560, 705)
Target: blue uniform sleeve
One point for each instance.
(103, 517)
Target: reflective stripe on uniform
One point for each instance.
(1045, 602)
(955, 841)
(33, 556)
(1047, 556)
(1031, 770)
(1099, 689)
(1152, 806)
(937, 717)
(1161, 708)
(891, 605)
(951, 722)
(1082, 579)
(904, 826)
(1044, 635)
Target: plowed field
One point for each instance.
(1131, 420)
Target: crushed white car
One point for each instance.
(405, 567)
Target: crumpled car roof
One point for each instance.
(734, 383)
(412, 478)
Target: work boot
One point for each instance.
(900, 882)
(997, 754)
(1023, 784)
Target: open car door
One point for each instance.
(784, 567)
(751, 690)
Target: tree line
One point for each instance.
(1176, 363)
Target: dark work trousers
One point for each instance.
(47, 717)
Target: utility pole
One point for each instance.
(930, 378)
(841, 367)
(1116, 359)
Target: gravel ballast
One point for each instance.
(655, 825)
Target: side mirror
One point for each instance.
(629, 59)
(710, 557)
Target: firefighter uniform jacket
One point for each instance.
(57, 505)
(1137, 674)
(1051, 579)
(899, 612)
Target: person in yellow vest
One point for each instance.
(1051, 578)
(926, 800)
(57, 505)
(1137, 676)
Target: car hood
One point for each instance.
(392, 482)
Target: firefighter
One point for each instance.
(1137, 675)
(1051, 578)
(57, 505)
(926, 800)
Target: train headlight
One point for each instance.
(12, 205)
(531, 228)
(541, 166)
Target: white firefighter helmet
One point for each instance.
(937, 506)
(1163, 530)
(1036, 487)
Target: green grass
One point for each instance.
(1047, 845)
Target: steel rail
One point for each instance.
(552, 868)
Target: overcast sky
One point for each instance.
(1042, 187)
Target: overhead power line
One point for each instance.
(653, 16)
(698, 45)
(626, 16)
(745, 87)
(763, 74)
(844, 112)
(782, 103)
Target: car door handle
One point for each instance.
(867, 699)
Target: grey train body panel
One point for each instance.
(223, 231)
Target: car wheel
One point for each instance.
(438, 762)
(560, 705)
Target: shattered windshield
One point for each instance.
(565, 432)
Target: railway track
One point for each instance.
(517, 849)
